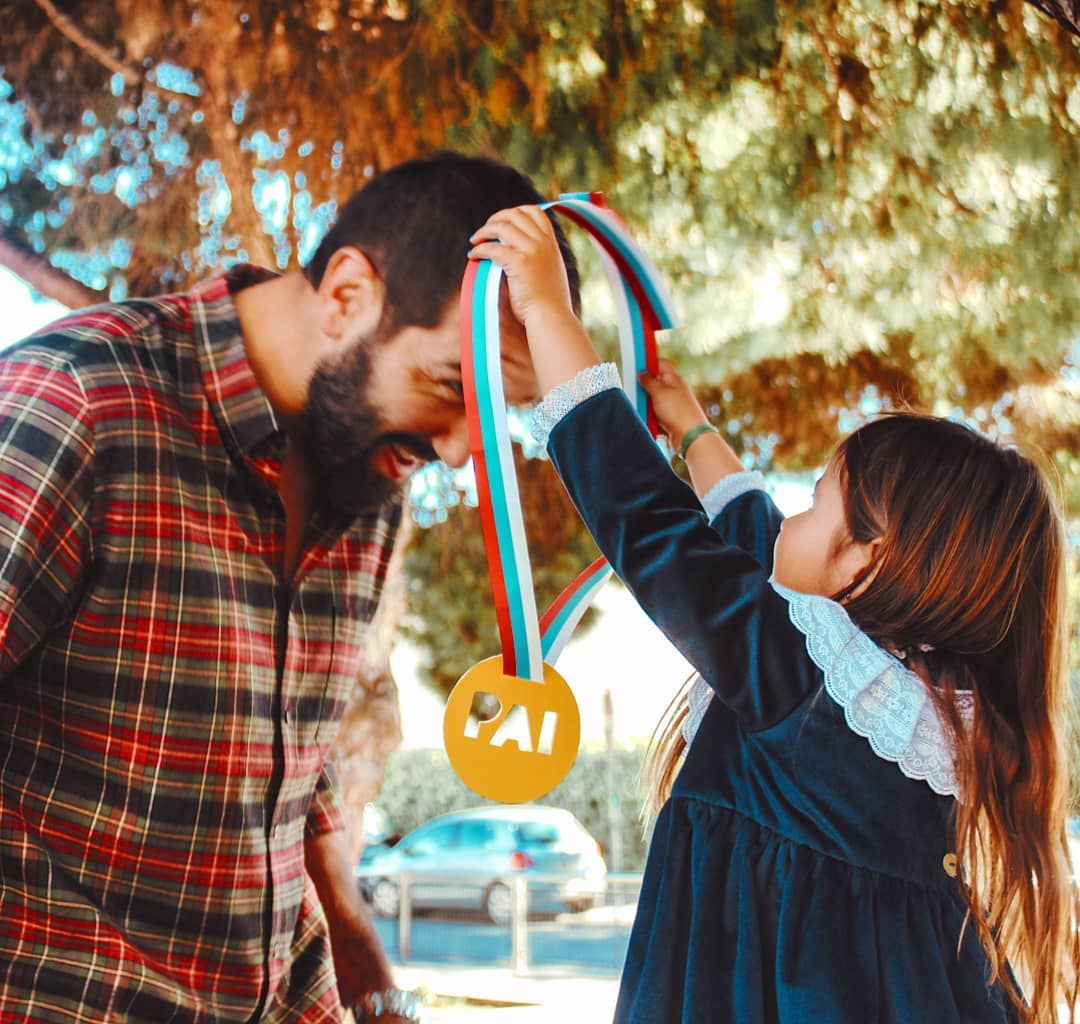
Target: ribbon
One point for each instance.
(642, 308)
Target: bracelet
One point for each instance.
(693, 434)
(389, 1002)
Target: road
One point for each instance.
(590, 942)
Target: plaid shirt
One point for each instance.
(167, 703)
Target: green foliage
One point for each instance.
(884, 186)
(584, 791)
(419, 784)
(890, 200)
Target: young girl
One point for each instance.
(868, 824)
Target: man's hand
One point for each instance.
(359, 959)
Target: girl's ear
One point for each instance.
(351, 295)
(856, 560)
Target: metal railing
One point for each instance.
(591, 929)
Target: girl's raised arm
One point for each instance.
(708, 457)
(522, 242)
(706, 594)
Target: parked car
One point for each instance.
(378, 828)
(465, 861)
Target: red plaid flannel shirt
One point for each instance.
(167, 704)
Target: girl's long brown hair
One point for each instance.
(971, 563)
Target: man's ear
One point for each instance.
(351, 295)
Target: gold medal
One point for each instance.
(526, 748)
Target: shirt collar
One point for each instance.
(883, 700)
(243, 413)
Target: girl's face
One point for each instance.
(814, 552)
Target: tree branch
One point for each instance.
(1065, 12)
(87, 45)
(43, 277)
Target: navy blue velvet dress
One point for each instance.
(794, 875)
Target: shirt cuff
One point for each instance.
(566, 397)
(327, 812)
(728, 488)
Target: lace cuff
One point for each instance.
(562, 399)
(728, 488)
(883, 702)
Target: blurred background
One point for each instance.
(856, 206)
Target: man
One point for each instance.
(198, 497)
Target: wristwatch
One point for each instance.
(389, 1002)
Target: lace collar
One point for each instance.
(883, 701)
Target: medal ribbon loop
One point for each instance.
(642, 308)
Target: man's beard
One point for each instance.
(342, 434)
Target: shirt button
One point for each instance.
(289, 714)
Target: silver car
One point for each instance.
(465, 861)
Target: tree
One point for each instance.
(855, 204)
(902, 206)
(143, 107)
(1065, 12)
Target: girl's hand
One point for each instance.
(676, 408)
(522, 242)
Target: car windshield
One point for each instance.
(431, 840)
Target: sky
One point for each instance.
(24, 310)
(623, 652)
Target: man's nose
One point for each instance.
(452, 445)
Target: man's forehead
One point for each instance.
(519, 378)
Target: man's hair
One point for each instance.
(413, 223)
